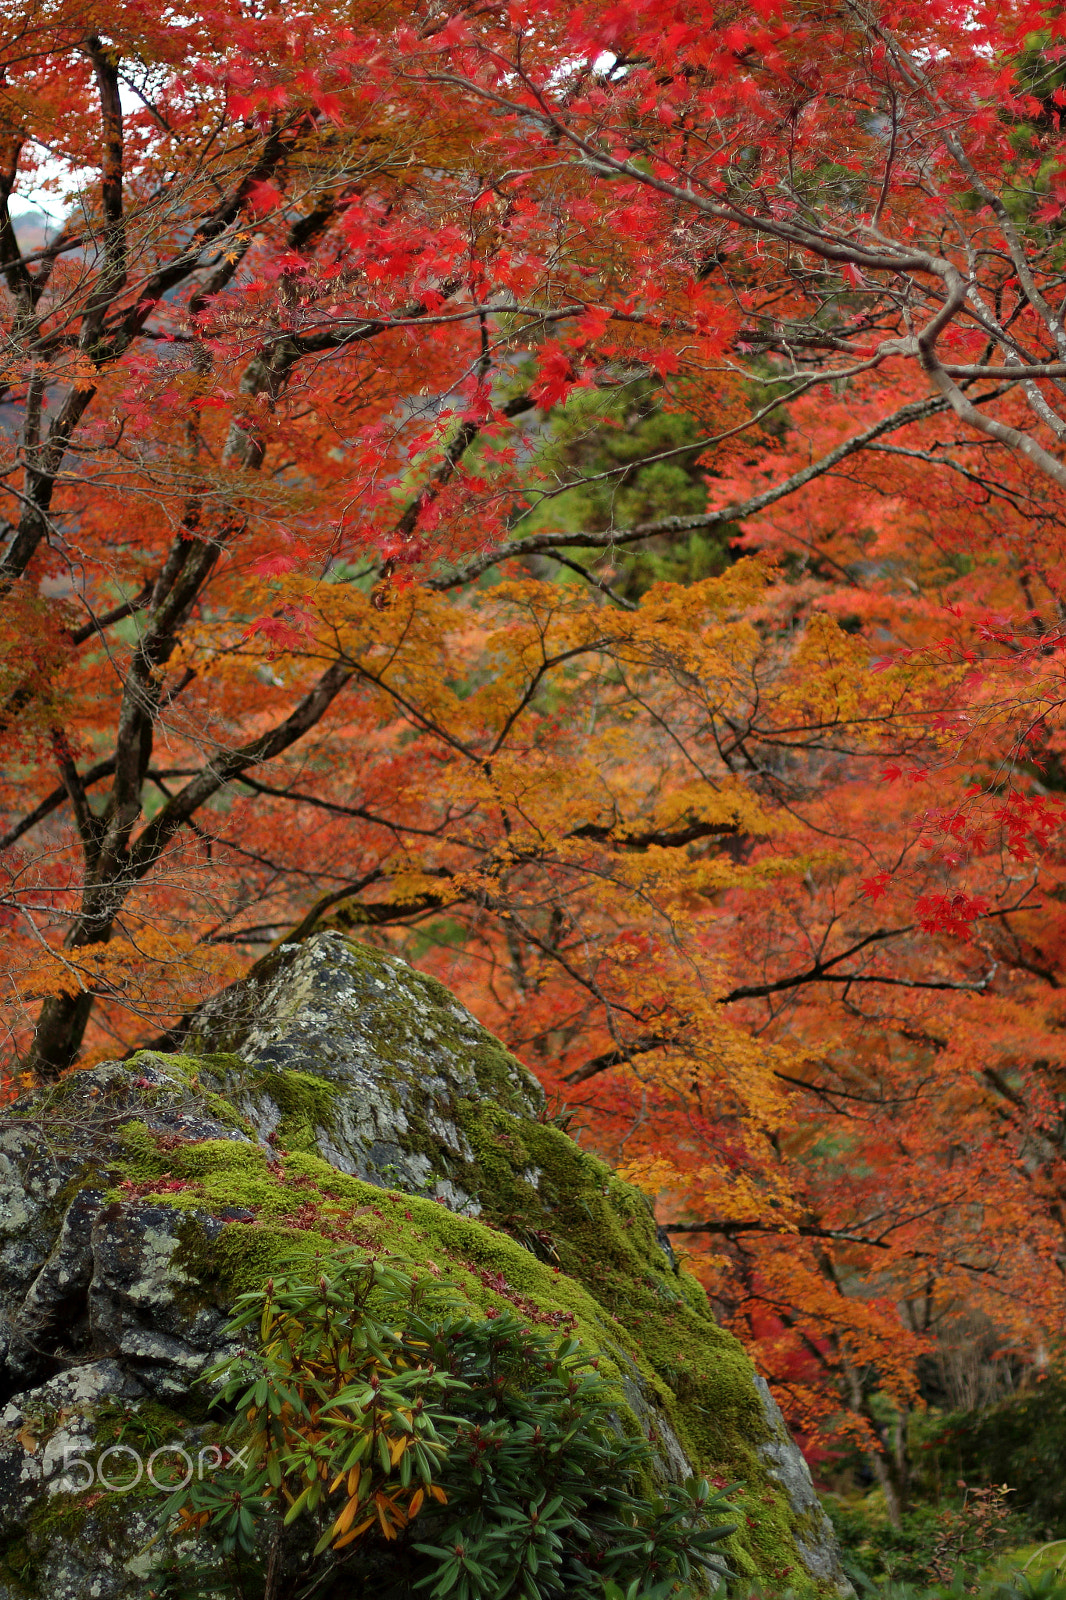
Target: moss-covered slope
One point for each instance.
(334, 1098)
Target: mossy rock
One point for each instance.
(336, 1097)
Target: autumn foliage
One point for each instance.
(575, 494)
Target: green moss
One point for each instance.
(558, 1199)
(19, 1565)
(200, 1073)
(597, 1263)
(95, 1527)
(144, 1426)
(218, 1172)
(305, 1101)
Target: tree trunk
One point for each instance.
(59, 1032)
(889, 1466)
(64, 1018)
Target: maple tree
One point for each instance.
(368, 349)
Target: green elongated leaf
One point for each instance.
(449, 1577)
(423, 1460)
(509, 1514)
(357, 1395)
(303, 1501)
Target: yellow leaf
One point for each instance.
(390, 1516)
(353, 1533)
(347, 1517)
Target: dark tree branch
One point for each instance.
(545, 543)
(53, 801)
(617, 1058)
(804, 1231)
(664, 838)
(107, 619)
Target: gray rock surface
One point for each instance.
(396, 1047)
(81, 1275)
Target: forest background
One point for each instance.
(575, 496)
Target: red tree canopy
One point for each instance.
(577, 495)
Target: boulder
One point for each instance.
(334, 1097)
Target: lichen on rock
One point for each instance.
(335, 1097)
